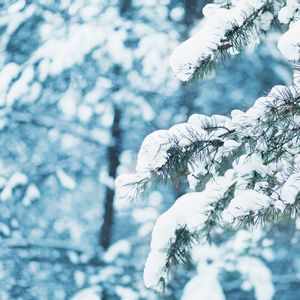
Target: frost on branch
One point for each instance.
(228, 28)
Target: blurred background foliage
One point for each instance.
(82, 82)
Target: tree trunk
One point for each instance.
(191, 8)
(114, 152)
(125, 8)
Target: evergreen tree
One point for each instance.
(243, 170)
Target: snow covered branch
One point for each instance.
(227, 30)
(244, 170)
(251, 192)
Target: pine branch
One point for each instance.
(178, 249)
(268, 215)
(292, 210)
(281, 127)
(177, 253)
(214, 216)
(272, 135)
(261, 217)
(204, 68)
(175, 166)
(258, 143)
(235, 39)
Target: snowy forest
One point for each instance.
(149, 149)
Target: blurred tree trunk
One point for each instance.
(192, 13)
(125, 8)
(191, 8)
(114, 152)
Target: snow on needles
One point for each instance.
(155, 153)
(154, 150)
(290, 12)
(245, 203)
(208, 42)
(190, 211)
(204, 45)
(290, 189)
(289, 43)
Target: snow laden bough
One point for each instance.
(244, 170)
(228, 28)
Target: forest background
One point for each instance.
(82, 83)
